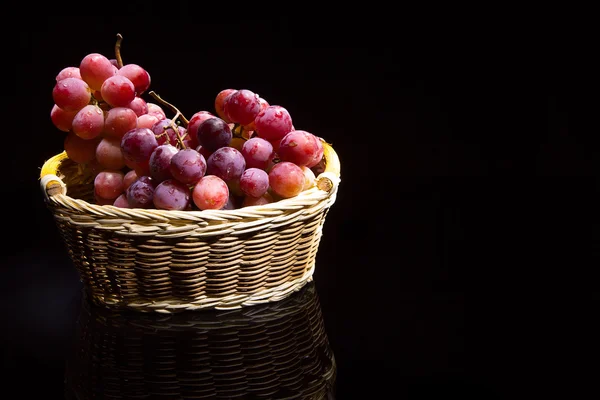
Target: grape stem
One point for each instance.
(171, 106)
(118, 50)
(176, 129)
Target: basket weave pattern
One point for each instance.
(158, 260)
(272, 351)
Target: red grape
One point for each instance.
(214, 133)
(273, 123)
(71, 94)
(140, 193)
(219, 103)
(258, 153)
(138, 105)
(146, 121)
(88, 123)
(286, 179)
(254, 182)
(160, 162)
(257, 201)
(188, 166)
(68, 72)
(121, 201)
(95, 69)
(210, 193)
(137, 75)
(108, 184)
(119, 121)
(156, 110)
(309, 178)
(80, 150)
(227, 163)
(129, 178)
(62, 119)
(118, 91)
(299, 147)
(241, 106)
(251, 127)
(108, 153)
(165, 133)
(171, 195)
(138, 144)
(194, 122)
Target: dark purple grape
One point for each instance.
(172, 195)
(258, 153)
(141, 193)
(214, 133)
(138, 144)
(188, 166)
(254, 182)
(227, 163)
(160, 162)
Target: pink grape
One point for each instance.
(299, 147)
(171, 194)
(309, 178)
(108, 153)
(254, 182)
(102, 201)
(227, 163)
(140, 193)
(62, 119)
(119, 121)
(95, 68)
(118, 91)
(156, 110)
(219, 103)
(194, 122)
(188, 166)
(258, 153)
(80, 150)
(319, 154)
(146, 121)
(263, 104)
(68, 72)
(108, 184)
(121, 201)
(129, 178)
(88, 123)
(160, 162)
(210, 193)
(71, 94)
(241, 106)
(257, 201)
(286, 179)
(214, 133)
(137, 75)
(273, 123)
(139, 106)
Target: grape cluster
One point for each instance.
(245, 152)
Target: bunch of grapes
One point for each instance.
(245, 152)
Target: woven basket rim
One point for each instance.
(326, 184)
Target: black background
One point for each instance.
(457, 258)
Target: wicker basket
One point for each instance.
(271, 351)
(164, 261)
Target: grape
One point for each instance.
(108, 153)
(204, 151)
(139, 106)
(300, 147)
(165, 133)
(119, 121)
(68, 72)
(251, 127)
(88, 123)
(156, 110)
(309, 177)
(214, 133)
(108, 184)
(257, 201)
(114, 62)
(118, 91)
(146, 121)
(80, 150)
(220, 101)
(121, 201)
(188, 166)
(102, 201)
(160, 162)
(129, 178)
(286, 179)
(210, 193)
(138, 144)
(95, 69)
(273, 123)
(241, 106)
(193, 124)
(258, 153)
(171, 195)
(137, 75)
(254, 182)
(319, 154)
(71, 94)
(141, 168)
(227, 163)
(140, 193)
(62, 119)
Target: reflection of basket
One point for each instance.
(270, 351)
(158, 260)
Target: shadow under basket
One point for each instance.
(164, 260)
